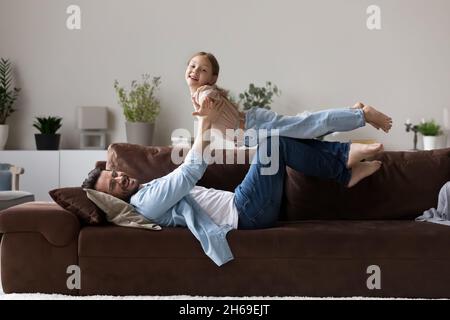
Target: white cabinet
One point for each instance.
(47, 170)
(41, 170)
(76, 164)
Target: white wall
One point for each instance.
(319, 52)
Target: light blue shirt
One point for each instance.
(167, 202)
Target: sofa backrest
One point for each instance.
(407, 184)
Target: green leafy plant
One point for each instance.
(140, 103)
(429, 128)
(48, 125)
(7, 96)
(261, 97)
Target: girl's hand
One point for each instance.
(208, 111)
(204, 109)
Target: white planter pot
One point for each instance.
(430, 142)
(140, 133)
(4, 129)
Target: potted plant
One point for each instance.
(47, 139)
(7, 99)
(141, 108)
(430, 131)
(258, 96)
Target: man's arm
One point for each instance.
(202, 137)
(161, 194)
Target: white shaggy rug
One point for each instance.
(42, 296)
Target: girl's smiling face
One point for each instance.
(199, 72)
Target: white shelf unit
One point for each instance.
(47, 170)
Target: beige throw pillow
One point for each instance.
(120, 212)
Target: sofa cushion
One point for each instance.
(75, 200)
(148, 163)
(120, 212)
(304, 240)
(407, 184)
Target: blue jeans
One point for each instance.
(258, 197)
(302, 126)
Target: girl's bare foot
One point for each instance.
(359, 151)
(377, 119)
(358, 105)
(374, 117)
(362, 170)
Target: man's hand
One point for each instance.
(195, 104)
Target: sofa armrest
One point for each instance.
(57, 226)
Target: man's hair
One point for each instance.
(91, 180)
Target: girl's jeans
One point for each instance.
(258, 197)
(303, 126)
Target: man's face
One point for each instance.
(199, 72)
(117, 184)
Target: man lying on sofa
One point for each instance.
(175, 201)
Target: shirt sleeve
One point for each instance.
(159, 195)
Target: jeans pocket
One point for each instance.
(256, 212)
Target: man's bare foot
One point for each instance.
(362, 170)
(374, 117)
(359, 151)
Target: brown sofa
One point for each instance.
(327, 239)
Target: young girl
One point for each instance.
(201, 76)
